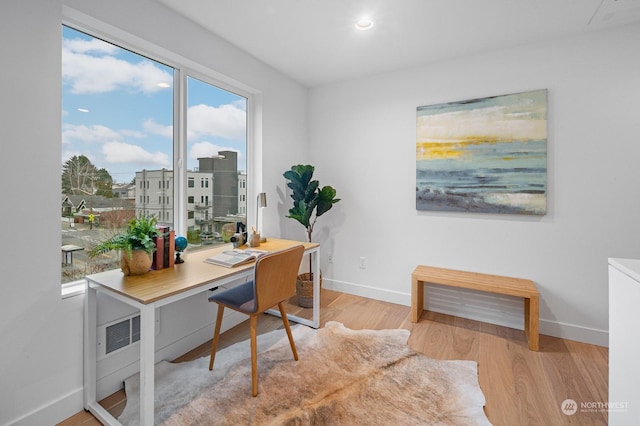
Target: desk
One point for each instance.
(159, 288)
(67, 253)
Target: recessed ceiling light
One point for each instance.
(163, 85)
(364, 24)
(83, 110)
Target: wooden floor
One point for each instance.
(521, 387)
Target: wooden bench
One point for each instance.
(483, 282)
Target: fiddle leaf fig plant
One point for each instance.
(310, 201)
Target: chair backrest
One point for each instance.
(275, 277)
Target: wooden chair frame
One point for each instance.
(274, 282)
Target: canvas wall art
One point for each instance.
(483, 155)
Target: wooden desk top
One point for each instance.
(162, 283)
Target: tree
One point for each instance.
(81, 177)
(104, 183)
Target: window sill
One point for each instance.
(75, 288)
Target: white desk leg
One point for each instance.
(316, 289)
(90, 359)
(147, 358)
(90, 343)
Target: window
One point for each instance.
(118, 144)
(216, 149)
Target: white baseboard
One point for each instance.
(54, 412)
(479, 306)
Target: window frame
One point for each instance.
(183, 68)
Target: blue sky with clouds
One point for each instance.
(116, 112)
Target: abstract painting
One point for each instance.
(485, 155)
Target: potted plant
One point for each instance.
(310, 201)
(136, 243)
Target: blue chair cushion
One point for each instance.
(241, 298)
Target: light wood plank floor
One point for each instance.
(521, 387)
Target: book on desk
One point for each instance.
(236, 257)
(164, 255)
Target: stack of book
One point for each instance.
(164, 256)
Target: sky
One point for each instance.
(117, 109)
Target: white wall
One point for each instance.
(362, 136)
(41, 333)
(362, 139)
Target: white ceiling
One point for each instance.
(315, 41)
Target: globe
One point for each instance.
(181, 243)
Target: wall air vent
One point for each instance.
(120, 334)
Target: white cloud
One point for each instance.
(225, 121)
(67, 155)
(133, 134)
(113, 145)
(121, 153)
(208, 149)
(91, 67)
(155, 128)
(90, 134)
(241, 104)
(95, 45)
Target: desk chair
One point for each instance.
(274, 282)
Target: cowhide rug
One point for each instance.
(343, 377)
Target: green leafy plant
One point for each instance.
(310, 201)
(138, 236)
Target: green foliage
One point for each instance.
(193, 236)
(138, 236)
(310, 201)
(81, 177)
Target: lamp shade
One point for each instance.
(261, 202)
(262, 199)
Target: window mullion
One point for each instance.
(180, 149)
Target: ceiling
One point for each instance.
(315, 41)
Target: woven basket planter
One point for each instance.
(304, 290)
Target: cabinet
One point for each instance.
(624, 342)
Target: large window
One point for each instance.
(216, 152)
(118, 150)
